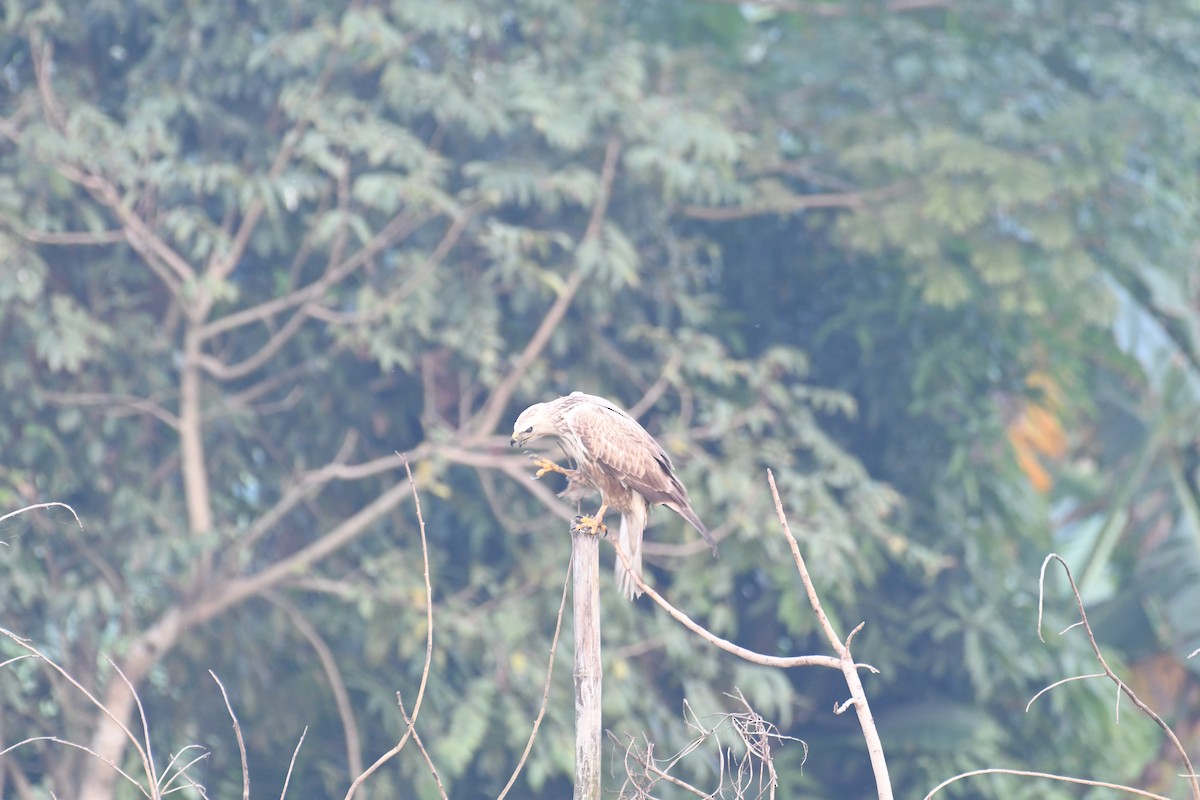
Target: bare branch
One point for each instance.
(785, 662)
(142, 754)
(287, 779)
(1061, 778)
(36, 506)
(866, 721)
(815, 601)
(412, 721)
(89, 751)
(151, 770)
(165, 787)
(333, 674)
(1056, 684)
(537, 722)
(1122, 687)
(237, 590)
(493, 407)
(237, 732)
(437, 779)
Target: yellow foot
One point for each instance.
(546, 465)
(588, 525)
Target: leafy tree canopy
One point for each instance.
(250, 251)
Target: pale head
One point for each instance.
(534, 423)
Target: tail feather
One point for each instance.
(686, 512)
(629, 542)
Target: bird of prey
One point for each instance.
(614, 455)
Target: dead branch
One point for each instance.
(287, 779)
(76, 746)
(237, 732)
(750, 770)
(537, 722)
(1060, 778)
(411, 721)
(37, 506)
(143, 753)
(858, 694)
(437, 779)
(784, 662)
(1122, 687)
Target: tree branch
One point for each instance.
(333, 674)
(128, 404)
(1180, 750)
(783, 662)
(73, 238)
(486, 420)
(220, 268)
(411, 720)
(1060, 778)
(837, 9)
(858, 695)
(401, 226)
(855, 201)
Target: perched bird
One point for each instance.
(615, 456)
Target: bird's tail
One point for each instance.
(684, 510)
(629, 542)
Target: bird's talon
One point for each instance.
(545, 465)
(588, 525)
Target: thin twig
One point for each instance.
(858, 695)
(341, 696)
(151, 771)
(36, 506)
(237, 732)
(287, 779)
(437, 779)
(77, 746)
(181, 772)
(783, 662)
(383, 759)
(1048, 776)
(141, 751)
(537, 722)
(1122, 687)
(1056, 684)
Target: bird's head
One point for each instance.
(533, 423)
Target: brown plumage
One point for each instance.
(615, 456)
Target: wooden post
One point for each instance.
(585, 554)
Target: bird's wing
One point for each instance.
(616, 442)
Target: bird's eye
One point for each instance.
(529, 429)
